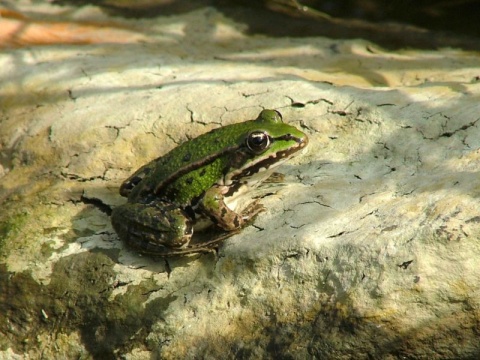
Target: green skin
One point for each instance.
(170, 195)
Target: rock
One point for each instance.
(369, 250)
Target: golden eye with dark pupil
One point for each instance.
(258, 141)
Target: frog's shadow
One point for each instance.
(93, 232)
(132, 258)
(159, 264)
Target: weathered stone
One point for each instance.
(370, 250)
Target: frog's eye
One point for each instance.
(270, 116)
(258, 141)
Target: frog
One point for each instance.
(199, 185)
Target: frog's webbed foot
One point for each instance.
(251, 211)
(275, 178)
(208, 246)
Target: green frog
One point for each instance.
(200, 183)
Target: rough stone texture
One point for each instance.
(369, 251)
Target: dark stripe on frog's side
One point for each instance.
(182, 159)
(192, 166)
(238, 161)
(233, 157)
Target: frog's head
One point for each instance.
(269, 142)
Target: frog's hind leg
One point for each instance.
(204, 246)
(153, 228)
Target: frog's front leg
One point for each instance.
(156, 227)
(214, 206)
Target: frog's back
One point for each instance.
(189, 169)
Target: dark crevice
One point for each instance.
(464, 127)
(99, 204)
(78, 178)
(405, 264)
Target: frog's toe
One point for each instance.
(252, 210)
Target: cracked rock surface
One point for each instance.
(369, 250)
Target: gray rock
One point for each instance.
(369, 250)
